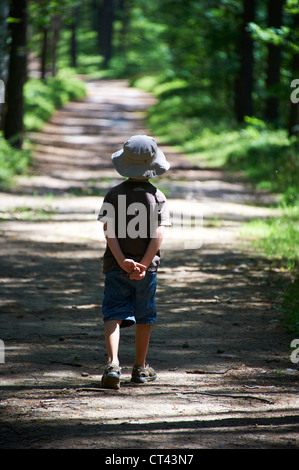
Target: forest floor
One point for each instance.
(225, 378)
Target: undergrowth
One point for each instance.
(43, 98)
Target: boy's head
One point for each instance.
(140, 158)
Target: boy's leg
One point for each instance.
(111, 376)
(142, 372)
(112, 335)
(142, 338)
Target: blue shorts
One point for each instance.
(129, 300)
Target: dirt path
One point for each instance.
(225, 378)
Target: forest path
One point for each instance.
(225, 379)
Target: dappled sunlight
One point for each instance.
(218, 332)
(80, 79)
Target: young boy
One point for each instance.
(135, 215)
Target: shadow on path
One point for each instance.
(224, 375)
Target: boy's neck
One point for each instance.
(138, 180)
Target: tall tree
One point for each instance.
(55, 26)
(275, 11)
(39, 17)
(74, 25)
(124, 16)
(293, 123)
(106, 13)
(13, 119)
(4, 10)
(244, 83)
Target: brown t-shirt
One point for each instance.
(134, 209)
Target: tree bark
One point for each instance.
(124, 13)
(244, 82)
(275, 11)
(4, 10)
(13, 121)
(106, 30)
(74, 26)
(95, 17)
(293, 124)
(55, 21)
(44, 49)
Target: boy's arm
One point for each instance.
(153, 246)
(128, 265)
(151, 251)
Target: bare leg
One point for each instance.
(112, 335)
(142, 338)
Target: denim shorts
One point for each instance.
(129, 300)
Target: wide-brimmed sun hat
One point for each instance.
(140, 157)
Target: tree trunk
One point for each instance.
(275, 9)
(124, 13)
(4, 11)
(244, 82)
(13, 121)
(74, 25)
(55, 21)
(106, 30)
(293, 124)
(44, 50)
(95, 17)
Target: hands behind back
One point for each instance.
(133, 269)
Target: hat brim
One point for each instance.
(156, 167)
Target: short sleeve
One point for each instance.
(163, 211)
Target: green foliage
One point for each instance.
(142, 51)
(12, 162)
(41, 99)
(270, 159)
(206, 131)
(182, 111)
(41, 12)
(277, 238)
(89, 60)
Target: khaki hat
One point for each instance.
(140, 157)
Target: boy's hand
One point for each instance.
(138, 274)
(131, 266)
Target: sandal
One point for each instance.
(111, 376)
(143, 374)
